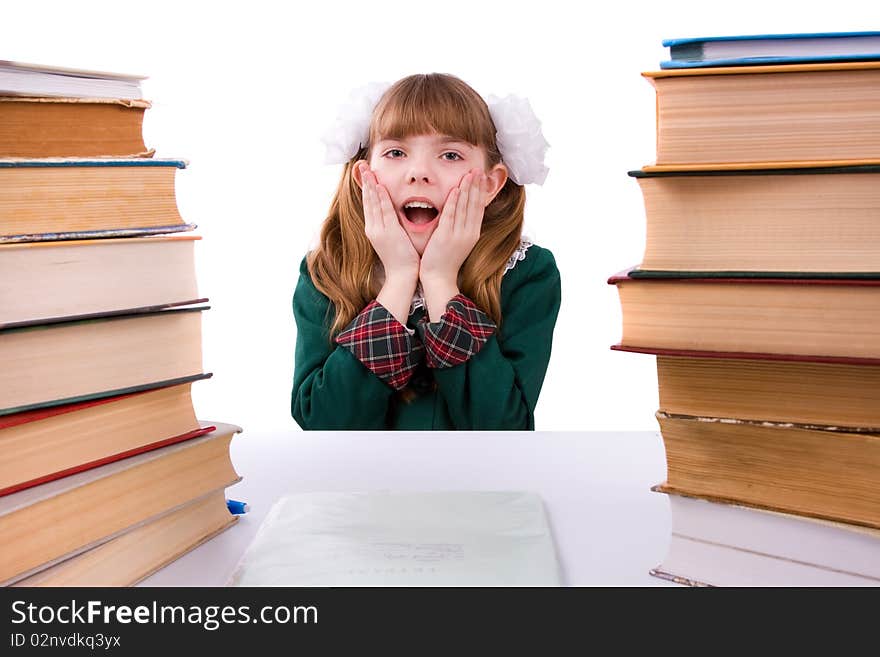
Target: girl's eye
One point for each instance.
(394, 153)
(451, 157)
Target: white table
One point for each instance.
(609, 527)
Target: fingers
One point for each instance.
(447, 215)
(475, 205)
(372, 214)
(469, 211)
(464, 189)
(389, 216)
(378, 208)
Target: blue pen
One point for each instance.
(237, 508)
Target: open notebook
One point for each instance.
(444, 538)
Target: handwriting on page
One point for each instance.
(398, 557)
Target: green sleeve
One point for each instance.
(498, 387)
(332, 390)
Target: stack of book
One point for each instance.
(759, 294)
(106, 474)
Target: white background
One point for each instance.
(243, 91)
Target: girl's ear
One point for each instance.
(495, 178)
(357, 174)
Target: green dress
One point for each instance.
(496, 388)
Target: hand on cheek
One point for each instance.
(392, 245)
(458, 230)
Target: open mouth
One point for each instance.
(420, 213)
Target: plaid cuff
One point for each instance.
(382, 344)
(461, 332)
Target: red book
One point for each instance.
(47, 444)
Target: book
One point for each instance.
(815, 317)
(44, 525)
(814, 219)
(55, 364)
(720, 544)
(828, 474)
(141, 551)
(821, 394)
(738, 50)
(791, 115)
(47, 444)
(52, 199)
(27, 79)
(42, 282)
(72, 127)
(395, 538)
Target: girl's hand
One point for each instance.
(391, 243)
(384, 231)
(458, 230)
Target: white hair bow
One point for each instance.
(518, 132)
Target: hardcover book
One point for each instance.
(43, 282)
(804, 316)
(57, 364)
(52, 199)
(842, 394)
(45, 127)
(829, 474)
(715, 543)
(47, 444)
(808, 219)
(779, 116)
(27, 79)
(794, 48)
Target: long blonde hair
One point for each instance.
(344, 265)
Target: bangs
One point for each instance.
(422, 104)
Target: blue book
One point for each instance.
(754, 49)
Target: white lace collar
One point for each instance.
(519, 254)
(418, 300)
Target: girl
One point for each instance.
(422, 307)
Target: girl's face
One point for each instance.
(418, 172)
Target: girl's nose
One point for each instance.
(419, 171)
